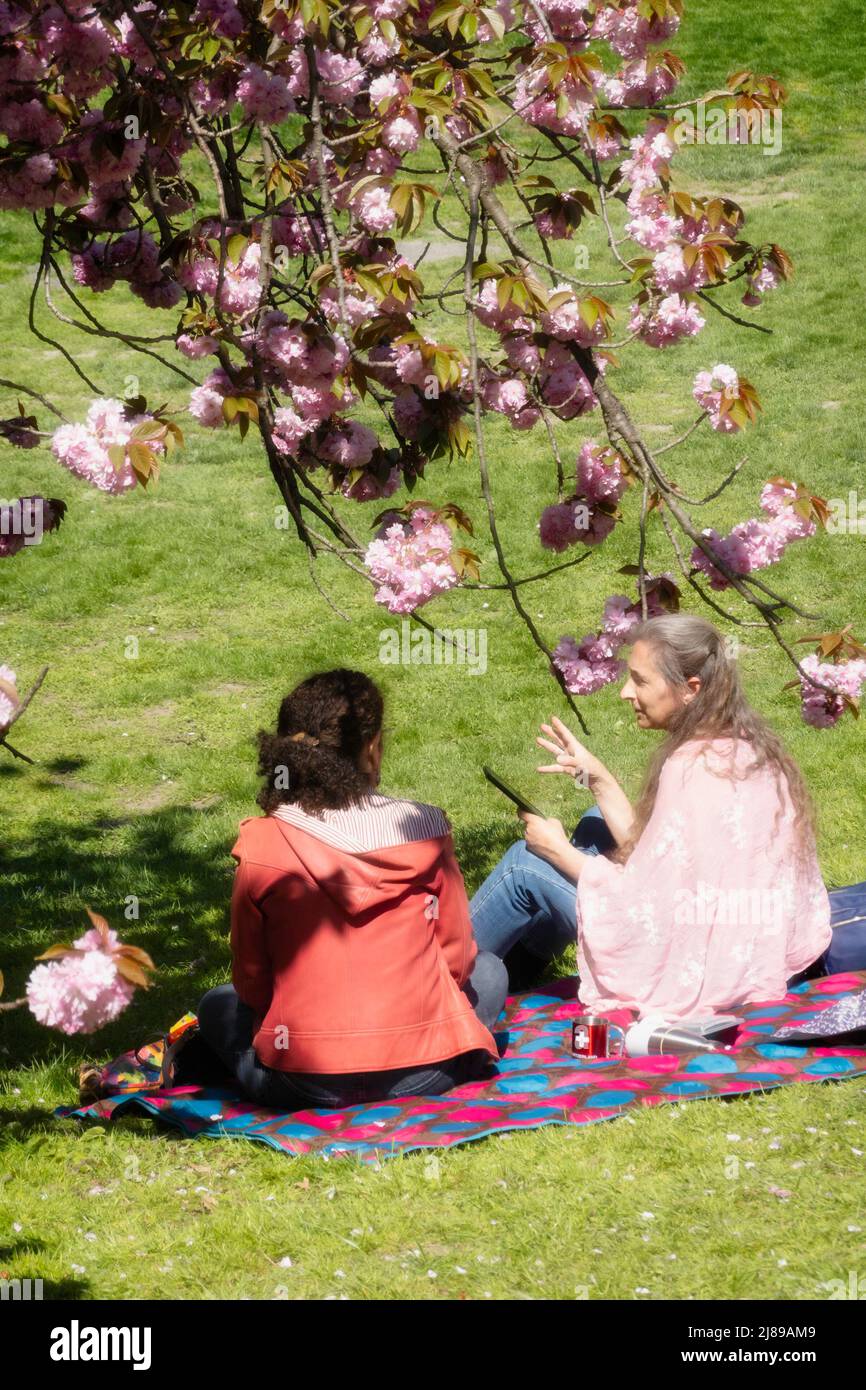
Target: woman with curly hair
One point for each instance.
(705, 895)
(355, 975)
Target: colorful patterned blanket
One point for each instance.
(539, 1082)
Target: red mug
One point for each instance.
(591, 1037)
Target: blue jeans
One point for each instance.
(526, 899)
(227, 1026)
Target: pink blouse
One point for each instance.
(712, 908)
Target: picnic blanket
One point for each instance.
(538, 1082)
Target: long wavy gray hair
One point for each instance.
(684, 645)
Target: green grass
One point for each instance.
(144, 767)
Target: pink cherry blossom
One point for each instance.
(599, 473)
(819, 707)
(566, 321)
(83, 449)
(586, 666)
(8, 699)
(651, 224)
(760, 283)
(711, 388)
(348, 444)
(409, 560)
(80, 993)
(670, 321)
(754, 544)
(510, 397)
(265, 96)
(671, 273)
(373, 209)
(402, 133)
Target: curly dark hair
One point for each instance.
(312, 758)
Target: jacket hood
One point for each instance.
(355, 881)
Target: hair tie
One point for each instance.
(304, 737)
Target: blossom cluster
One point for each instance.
(83, 449)
(8, 696)
(410, 560)
(588, 516)
(755, 544)
(593, 662)
(133, 257)
(80, 992)
(550, 365)
(822, 708)
(711, 388)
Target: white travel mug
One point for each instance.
(654, 1037)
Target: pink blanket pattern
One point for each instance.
(538, 1083)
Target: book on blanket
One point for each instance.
(710, 1025)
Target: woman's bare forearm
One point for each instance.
(613, 804)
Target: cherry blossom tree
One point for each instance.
(254, 167)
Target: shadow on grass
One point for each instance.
(23, 1123)
(176, 860)
(64, 764)
(30, 1249)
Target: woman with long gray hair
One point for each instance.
(704, 895)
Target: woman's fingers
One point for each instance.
(564, 734)
(552, 734)
(555, 742)
(555, 767)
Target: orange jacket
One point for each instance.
(352, 962)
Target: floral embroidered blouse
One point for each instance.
(714, 908)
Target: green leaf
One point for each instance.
(117, 455)
(483, 270)
(236, 247)
(469, 26)
(443, 12)
(589, 312)
(495, 20)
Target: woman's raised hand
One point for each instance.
(571, 756)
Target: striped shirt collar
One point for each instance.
(374, 822)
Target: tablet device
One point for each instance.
(520, 801)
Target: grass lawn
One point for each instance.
(145, 764)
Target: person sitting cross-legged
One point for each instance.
(355, 975)
(704, 896)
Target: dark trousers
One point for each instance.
(227, 1024)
